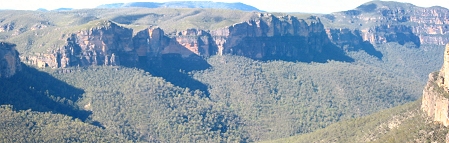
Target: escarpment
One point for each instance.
(435, 101)
(265, 37)
(286, 38)
(9, 60)
(261, 36)
(382, 22)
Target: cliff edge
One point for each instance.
(435, 100)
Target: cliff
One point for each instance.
(9, 60)
(435, 101)
(268, 37)
(265, 37)
(383, 21)
(261, 36)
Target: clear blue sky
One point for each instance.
(310, 6)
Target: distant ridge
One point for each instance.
(184, 4)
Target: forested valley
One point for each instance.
(123, 73)
(246, 100)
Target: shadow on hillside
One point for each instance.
(174, 69)
(290, 48)
(369, 48)
(400, 33)
(349, 40)
(39, 91)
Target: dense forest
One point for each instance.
(280, 99)
(245, 100)
(405, 123)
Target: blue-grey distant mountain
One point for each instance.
(184, 4)
(42, 9)
(63, 9)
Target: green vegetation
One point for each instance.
(133, 104)
(244, 100)
(30, 126)
(404, 123)
(32, 89)
(280, 99)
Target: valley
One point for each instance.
(127, 73)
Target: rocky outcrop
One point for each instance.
(7, 27)
(391, 33)
(9, 60)
(152, 42)
(103, 45)
(265, 37)
(268, 37)
(197, 41)
(382, 22)
(352, 40)
(106, 43)
(435, 101)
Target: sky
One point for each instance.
(308, 6)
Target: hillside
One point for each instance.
(424, 120)
(406, 123)
(133, 74)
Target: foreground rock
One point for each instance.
(435, 100)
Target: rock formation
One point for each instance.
(269, 38)
(9, 60)
(262, 36)
(102, 45)
(435, 100)
(265, 37)
(381, 22)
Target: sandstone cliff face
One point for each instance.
(9, 60)
(435, 101)
(268, 38)
(152, 43)
(197, 41)
(382, 22)
(265, 37)
(103, 45)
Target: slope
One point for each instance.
(406, 123)
(31, 126)
(424, 120)
(279, 99)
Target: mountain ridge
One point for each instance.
(183, 4)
